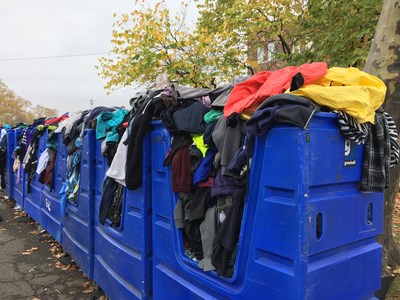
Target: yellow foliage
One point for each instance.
(149, 41)
(15, 109)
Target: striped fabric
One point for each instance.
(381, 152)
(375, 166)
(351, 128)
(394, 139)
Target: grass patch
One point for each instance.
(394, 292)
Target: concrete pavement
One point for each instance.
(29, 262)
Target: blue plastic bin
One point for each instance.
(19, 177)
(306, 233)
(50, 200)
(9, 173)
(32, 199)
(122, 256)
(77, 225)
(60, 168)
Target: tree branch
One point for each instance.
(285, 46)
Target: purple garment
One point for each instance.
(257, 125)
(206, 101)
(28, 137)
(223, 185)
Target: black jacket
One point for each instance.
(139, 125)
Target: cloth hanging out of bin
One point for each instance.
(380, 153)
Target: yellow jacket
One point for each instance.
(355, 92)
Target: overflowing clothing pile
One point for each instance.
(213, 134)
(110, 127)
(72, 129)
(26, 153)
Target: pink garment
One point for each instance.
(206, 183)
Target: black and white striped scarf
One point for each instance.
(358, 132)
(351, 128)
(394, 140)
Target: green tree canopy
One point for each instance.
(339, 32)
(150, 41)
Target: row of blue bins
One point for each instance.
(306, 232)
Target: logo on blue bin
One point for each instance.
(350, 153)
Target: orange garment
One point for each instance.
(259, 87)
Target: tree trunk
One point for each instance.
(384, 62)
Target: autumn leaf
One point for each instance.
(74, 267)
(89, 290)
(29, 251)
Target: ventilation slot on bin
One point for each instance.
(369, 214)
(319, 228)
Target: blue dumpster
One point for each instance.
(306, 232)
(60, 168)
(50, 199)
(9, 163)
(32, 198)
(122, 255)
(77, 225)
(19, 177)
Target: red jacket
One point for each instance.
(263, 85)
(55, 120)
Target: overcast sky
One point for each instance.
(44, 28)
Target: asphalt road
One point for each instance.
(33, 265)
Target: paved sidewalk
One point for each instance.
(33, 265)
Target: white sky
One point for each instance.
(45, 28)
